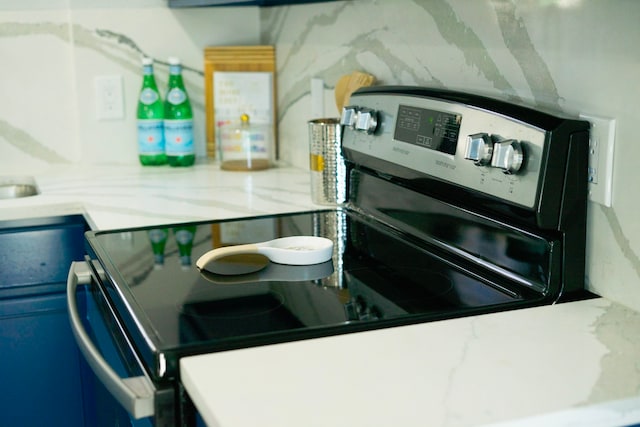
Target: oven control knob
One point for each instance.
(366, 120)
(348, 117)
(479, 149)
(508, 156)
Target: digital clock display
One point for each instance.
(431, 129)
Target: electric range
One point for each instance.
(457, 205)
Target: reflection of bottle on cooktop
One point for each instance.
(184, 238)
(245, 146)
(158, 239)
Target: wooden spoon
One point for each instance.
(340, 91)
(357, 80)
(348, 84)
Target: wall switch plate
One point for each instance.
(109, 98)
(601, 147)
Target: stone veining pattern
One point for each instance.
(529, 52)
(523, 52)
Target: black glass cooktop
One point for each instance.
(377, 277)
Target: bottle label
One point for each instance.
(176, 96)
(158, 235)
(150, 137)
(183, 236)
(148, 96)
(178, 136)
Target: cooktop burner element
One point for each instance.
(457, 205)
(212, 319)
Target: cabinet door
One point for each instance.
(40, 370)
(39, 363)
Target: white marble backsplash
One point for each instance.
(568, 56)
(51, 57)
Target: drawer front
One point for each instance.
(37, 253)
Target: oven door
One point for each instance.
(123, 393)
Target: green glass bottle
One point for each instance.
(184, 239)
(178, 119)
(150, 116)
(158, 239)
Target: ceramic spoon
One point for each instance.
(296, 250)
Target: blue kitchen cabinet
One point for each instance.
(40, 364)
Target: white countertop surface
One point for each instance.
(114, 197)
(573, 364)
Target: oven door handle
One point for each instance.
(135, 394)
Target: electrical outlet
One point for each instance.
(109, 98)
(601, 146)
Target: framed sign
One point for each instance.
(239, 80)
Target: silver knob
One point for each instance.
(366, 120)
(508, 156)
(479, 149)
(348, 117)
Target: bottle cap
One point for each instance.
(174, 61)
(147, 61)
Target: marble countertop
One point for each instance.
(567, 364)
(573, 364)
(114, 197)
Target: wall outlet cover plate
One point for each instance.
(601, 149)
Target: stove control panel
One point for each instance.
(449, 141)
